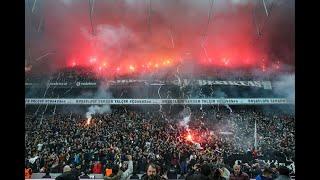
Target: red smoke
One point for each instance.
(195, 136)
(128, 40)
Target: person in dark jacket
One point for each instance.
(134, 175)
(217, 174)
(284, 173)
(172, 173)
(195, 169)
(274, 171)
(152, 173)
(204, 173)
(266, 174)
(237, 174)
(67, 174)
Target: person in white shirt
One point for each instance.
(123, 175)
(39, 146)
(193, 156)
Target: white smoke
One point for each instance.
(102, 93)
(111, 36)
(219, 94)
(97, 110)
(222, 95)
(185, 121)
(285, 86)
(186, 114)
(111, 39)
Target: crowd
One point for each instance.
(63, 75)
(79, 73)
(221, 142)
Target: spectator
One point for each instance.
(97, 168)
(120, 173)
(224, 172)
(27, 172)
(274, 171)
(67, 174)
(76, 170)
(194, 171)
(115, 175)
(109, 171)
(218, 174)
(134, 175)
(204, 173)
(283, 173)
(266, 174)
(128, 172)
(183, 166)
(237, 174)
(172, 173)
(152, 173)
(255, 170)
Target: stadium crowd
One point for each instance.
(88, 74)
(218, 143)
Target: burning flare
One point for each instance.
(88, 121)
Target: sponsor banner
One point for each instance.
(86, 84)
(226, 133)
(183, 82)
(186, 82)
(217, 101)
(64, 84)
(57, 84)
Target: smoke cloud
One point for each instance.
(97, 110)
(133, 32)
(285, 86)
(102, 93)
(186, 115)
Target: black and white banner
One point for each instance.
(183, 82)
(217, 101)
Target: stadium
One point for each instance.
(159, 89)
